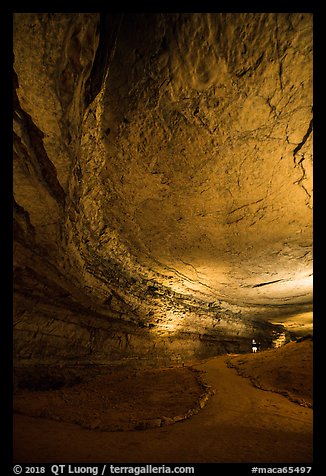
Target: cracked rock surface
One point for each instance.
(162, 183)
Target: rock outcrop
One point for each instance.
(162, 183)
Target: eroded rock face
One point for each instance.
(162, 182)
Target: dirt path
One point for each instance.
(240, 423)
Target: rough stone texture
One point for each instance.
(106, 403)
(162, 183)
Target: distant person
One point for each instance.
(254, 345)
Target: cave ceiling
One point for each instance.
(165, 155)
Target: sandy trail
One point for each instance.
(240, 423)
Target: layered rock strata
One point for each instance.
(162, 183)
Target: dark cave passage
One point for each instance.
(162, 213)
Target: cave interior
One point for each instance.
(162, 180)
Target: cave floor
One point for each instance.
(114, 399)
(240, 423)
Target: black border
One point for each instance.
(6, 11)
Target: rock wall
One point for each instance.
(162, 183)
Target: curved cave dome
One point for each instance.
(162, 184)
